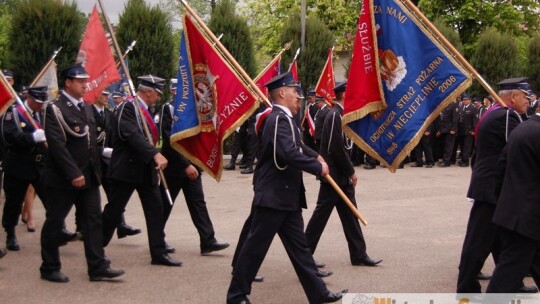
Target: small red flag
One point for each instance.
(294, 70)
(325, 85)
(271, 70)
(97, 58)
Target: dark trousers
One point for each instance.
(480, 240)
(153, 212)
(466, 143)
(424, 147)
(289, 226)
(15, 190)
(449, 141)
(239, 143)
(327, 200)
(242, 238)
(194, 196)
(88, 202)
(519, 255)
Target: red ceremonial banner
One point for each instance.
(364, 92)
(219, 98)
(97, 58)
(325, 85)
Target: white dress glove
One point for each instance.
(107, 152)
(39, 136)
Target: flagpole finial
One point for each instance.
(287, 45)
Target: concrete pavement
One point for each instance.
(417, 219)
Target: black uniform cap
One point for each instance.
(8, 73)
(75, 72)
(520, 83)
(39, 94)
(154, 82)
(281, 80)
(340, 87)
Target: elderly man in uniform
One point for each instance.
(335, 151)
(492, 132)
(279, 198)
(104, 119)
(24, 160)
(183, 175)
(73, 176)
(134, 164)
(518, 210)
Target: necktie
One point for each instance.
(101, 113)
(80, 106)
(36, 117)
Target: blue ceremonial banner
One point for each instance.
(419, 79)
(185, 104)
(121, 86)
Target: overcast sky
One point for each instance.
(113, 7)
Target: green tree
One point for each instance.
(5, 28)
(496, 58)
(449, 33)
(534, 62)
(472, 17)
(267, 18)
(319, 39)
(151, 27)
(38, 28)
(236, 35)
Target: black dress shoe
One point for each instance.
(243, 301)
(482, 276)
(243, 166)
(106, 274)
(12, 244)
(334, 297)
(3, 252)
(247, 170)
(430, 165)
(229, 166)
(324, 274)
(214, 247)
(319, 264)
(169, 248)
(165, 260)
(240, 162)
(369, 167)
(528, 289)
(367, 261)
(417, 165)
(124, 230)
(55, 276)
(258, 278)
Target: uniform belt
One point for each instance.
(39, 158)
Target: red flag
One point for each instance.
(212, 101)
(6, 94)
(294, 70)
(97, 59)
(271, 70)
(364, 90)
(325, 85)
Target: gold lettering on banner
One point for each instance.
(392, 11)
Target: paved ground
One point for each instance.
(417, 219)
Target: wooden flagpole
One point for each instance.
(453, 51)
(134, 95)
